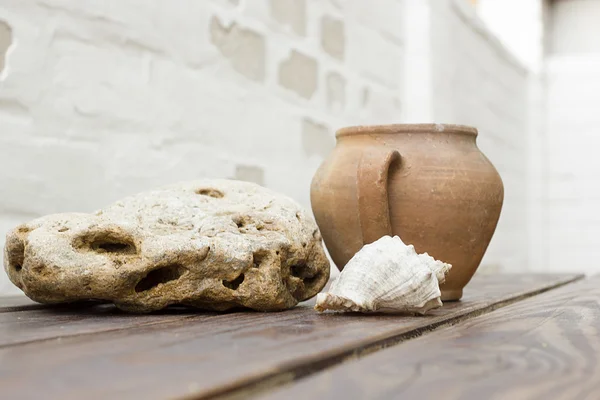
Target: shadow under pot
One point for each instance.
(427, 183)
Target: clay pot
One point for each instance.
(427, 183)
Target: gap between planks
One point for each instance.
(292, 372)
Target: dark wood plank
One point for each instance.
(29, 325)
(204, 356)
(545, 347)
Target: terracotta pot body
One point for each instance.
(427, 183)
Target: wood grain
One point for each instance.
(545, 347)
(33, 324)
(207, 355)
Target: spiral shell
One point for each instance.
(387, 276)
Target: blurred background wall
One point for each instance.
(572, 164)
(104, 98)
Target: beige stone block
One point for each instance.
(336, 91)
(250, 173)
(244, 48)
(290, 12)
(366, 94)
(299, 73)
(317, 139)
(333, 37)
(5, 42)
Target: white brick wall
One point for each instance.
(476, 81)
(572, 190)
(103, 99)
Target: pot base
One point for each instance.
(452, 295)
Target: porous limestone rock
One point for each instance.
(211, 244)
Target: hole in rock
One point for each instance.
(234, 284)
(257, 258)
(297, 270)
(243, 221)
(309, 280)
(301, 271)
(217, 194)
(113, 247)
(160, 276)
(106, 242)
(39, 269)
(15, 249)
(24, 229)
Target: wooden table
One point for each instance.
(512, 337)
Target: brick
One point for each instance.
(5, 42)
(387, 16)
(383, 107)
(250, 173)
(333, 37)
(244, 48)
(364, 97)
(374, 56)
(336, 91)
(291, 13)
(299, 73)
(317, 139)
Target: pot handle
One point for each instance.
(372, 191)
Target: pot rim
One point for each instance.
(405, 128)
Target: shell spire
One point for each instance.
(387, 276)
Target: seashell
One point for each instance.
(386, 276)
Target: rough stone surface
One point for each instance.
(333, 38)
(212, 244)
